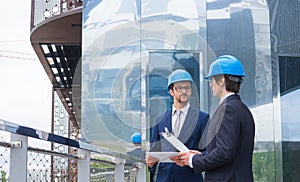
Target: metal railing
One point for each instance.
(20, 162)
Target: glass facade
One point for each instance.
(285, 40)
(130, 48)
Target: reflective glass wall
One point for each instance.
(130, 48)
(285, 39)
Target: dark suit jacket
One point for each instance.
(136, 152)
(230, 144)
(190, 135)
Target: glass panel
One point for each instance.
(130, 47)
(111, 91)
(161, 65)
(241, 28)
(289, 69)
(173, 24)
(285, 56)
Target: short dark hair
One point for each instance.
(171, 86)
(232, 83)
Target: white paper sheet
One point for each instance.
(162, 156)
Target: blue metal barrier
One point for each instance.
(19, 147)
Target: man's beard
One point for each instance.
(181, 100)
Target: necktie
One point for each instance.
(177, 123)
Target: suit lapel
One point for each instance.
(166, 121)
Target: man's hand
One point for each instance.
(151, 161)
(182, 159)
(194, 152)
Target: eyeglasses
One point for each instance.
(180, 88)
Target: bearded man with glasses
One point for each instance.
(186, 123)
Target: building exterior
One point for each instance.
(108, 62)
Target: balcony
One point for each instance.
(56, 39)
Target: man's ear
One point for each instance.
(171, 92)
(222, 81)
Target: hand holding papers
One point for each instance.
(165, 156)
(174, 141)
(162, 156)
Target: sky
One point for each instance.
(25, 89)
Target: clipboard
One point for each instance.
(174, 141)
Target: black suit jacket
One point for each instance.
(230, 144)
(191, 132)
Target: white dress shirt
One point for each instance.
(182, 116)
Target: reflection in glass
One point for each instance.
(130, 48)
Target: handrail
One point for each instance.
(42, 135)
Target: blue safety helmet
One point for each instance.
(227, 65)
(136, 138)
(179, 75)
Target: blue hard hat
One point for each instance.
(227, 65)
(179, 75)
(136, 138)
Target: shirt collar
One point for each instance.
(184, 109)
(227, 95)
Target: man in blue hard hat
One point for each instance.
(231, 130)
(137, 151)
(185, 122)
